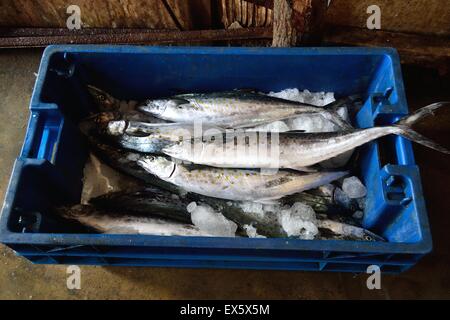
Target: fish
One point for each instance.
(100, 121)
(125, 162)
(330, 229)
(104, 102)
(125, 223)
(233, 184)
(153, 137)
(305, 123)
(293, 150)
(321, 203)
(150, 200)
(159, 203)
(235, 109)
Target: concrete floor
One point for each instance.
(19, 279)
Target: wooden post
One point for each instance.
(284, 33)
(293, 18)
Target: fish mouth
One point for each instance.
(370, 236)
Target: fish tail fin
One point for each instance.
(421, 113)
(404, 126)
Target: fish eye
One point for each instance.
(368, 238)
(101, 98)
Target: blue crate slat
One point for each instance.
(49, 170)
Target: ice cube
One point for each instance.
(251, 231)
(299, 221)
(211, 221)
(305, 96)
(361, 203)
(288, 94)
(341, 198)
(354, 188)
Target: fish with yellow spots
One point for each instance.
(236, 184)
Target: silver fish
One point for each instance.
(151, 201)
(305, 123)
(125, 162)
(104, 102)
(155, 202)
(235, 109)
(229, 184)
(152, 137)
(293, 150)
(338, 230)
(122, 223)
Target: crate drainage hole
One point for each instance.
(395, 190)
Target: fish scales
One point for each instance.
(232, 109)
(295, 150)
(235, 184)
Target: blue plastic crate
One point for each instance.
(49, 169)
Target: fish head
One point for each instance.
(370, 236)
(159, 166)
(98, 121)
(104, 101)
(75, 212)
(164, 108)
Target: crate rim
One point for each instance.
(8, 237)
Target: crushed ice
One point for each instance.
(354, 188)
(299, 221)
(211, 221)
(315, 98)
(251, 231)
